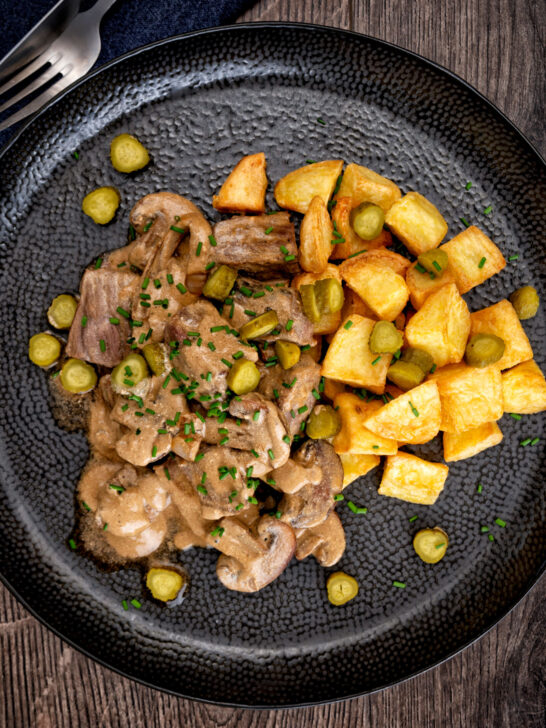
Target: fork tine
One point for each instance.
(40, 100)
(43, 58)
(46, 76)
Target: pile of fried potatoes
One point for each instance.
(426, 306)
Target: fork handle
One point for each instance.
(99, 9)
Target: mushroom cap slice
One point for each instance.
(326, 541)
(312, 503)
(251, 560)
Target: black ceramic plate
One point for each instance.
(200, 102)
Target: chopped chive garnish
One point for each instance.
(535, 440)
(306, 347)
(268, 230)
(348, 326)
(148, 226)
(124, 604)
(464, 221)
(302, 409)
(500, 522)
(374, 362)
(525, 442)
(468, 185)
(226, 362)
(198, 250)
(72, 543)
(513, 257)
(413, 518)
(359, 252)
(145, 283)
(249, 312)
(118, 488)
(310, 161)
(253, 500)
(98, 263)
(414, 410)
(245, 291)
(136, 604)
(315, 394)
(339, 497)
(286, 439)
(479, 488)
(202, 490)
(182, 288)
(399, 584)
(177, 229)
(123, 312)
(271, 454)
(420, 268)
(433, 369)
(515, 416)
(321, 121)
(114, 320)
(289, 258)
(102, 345)
(170, 278)
(435, 264)
(210, 265)
(487, 210)
(484, 529)
(490, 537)
(84, 322)
(482, 263)
(439, 545)
(224, 440)
(256, 416)
(237, 355)
(211, 346)
(154, 451)
(356, 509)
(212, 241)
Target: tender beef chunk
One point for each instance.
(102, 292)
(257, 297)
(203, 343)
(243, 243)
(103, 432)
(255, 424)
(294, 398)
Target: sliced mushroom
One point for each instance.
(192, 430)
(252, 559)
(291, 477)
(257, 426)
(103, 431)
(310, 505)
(326, 541)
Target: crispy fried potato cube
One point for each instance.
(315, 237)
(412, 418)
(332, 388)
(380, 256)
(466, 251)
(502, 320)
(411, 479)
(469, 396)
(364, 185)
(354, 466)
(354, 437)
(441, 326)
(329, 322)
(383, 290)
(462, 445)
(417, 223)
(354, 304)
(421, 285)
(349, 358)
(244, 189)
(524, 389)
(341, 215)
(296, 190)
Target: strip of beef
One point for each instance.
(203, 343)
(150, 423)
(292, 390)
(254, 425)
(243, 243)
(103, 293)
(252, 297)
(220, 478)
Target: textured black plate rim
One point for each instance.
(496, 112)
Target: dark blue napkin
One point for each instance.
(127, 25)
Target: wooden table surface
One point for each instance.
(498, 46)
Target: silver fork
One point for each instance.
(71, 55)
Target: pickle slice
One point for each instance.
(526, 301)
(288, 353)
(420, 357)
(129, 372)
(329, 295)
(405, 375)
(101, 204)
(259, 326)
(78, 376)
(434, 261)
(483, 350)
(164, 583)
(220, 282)
(309, 302)
(61, 312)
(44, 349)
(157, 357)
(367, 220)
(323, 422)
(430, 544)
(243, 377)
(341, 588)
(128, 154)
(385, 338)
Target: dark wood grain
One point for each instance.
(497, 46)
